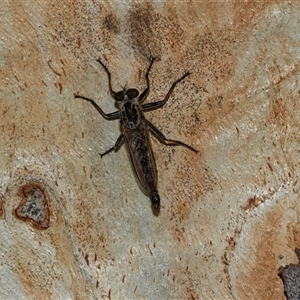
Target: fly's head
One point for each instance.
(131, 112)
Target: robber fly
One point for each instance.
(135, 132)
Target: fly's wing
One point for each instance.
(141, 156)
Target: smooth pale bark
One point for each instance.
(229, 214)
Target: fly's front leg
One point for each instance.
(110, 116)
(116, 146)
(158, 104)
(112, 92)
(145, 93)
(166, 141)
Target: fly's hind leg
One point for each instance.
(116, 146)
(166, 141)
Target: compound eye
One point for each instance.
(119, 96)
(132, 93)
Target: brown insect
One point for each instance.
(135, 132)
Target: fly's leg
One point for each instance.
(110, 116)
(166, 141)
(116, 146)
(155, 200)
(158, 104)
(112, 92)
(145, 93)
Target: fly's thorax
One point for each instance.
(131, 113)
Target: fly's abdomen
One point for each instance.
(141, 156)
